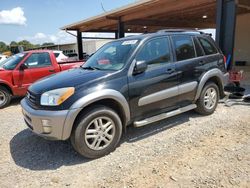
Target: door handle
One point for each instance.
(170, 71)
(51, 70)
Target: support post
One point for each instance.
(79, 45)
(116, 34)
(120, 29)
(225, 27)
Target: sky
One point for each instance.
(40, 21)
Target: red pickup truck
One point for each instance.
(18, 72)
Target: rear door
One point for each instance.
(189, 65)
(38, 66)
(156, 89)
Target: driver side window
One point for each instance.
(38, 60)
(155, 52)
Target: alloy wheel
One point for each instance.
(210, 98)
(2, 98)
(100, 133)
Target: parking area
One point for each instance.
(165, 63)
(188, 150)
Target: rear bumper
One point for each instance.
(48, 124)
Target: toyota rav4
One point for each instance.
(136, 81)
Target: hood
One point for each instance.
(69, 78)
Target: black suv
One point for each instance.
(135, 80)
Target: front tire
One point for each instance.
(208, 100)
(97, 132)
(5, 97)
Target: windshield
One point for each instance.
(11, 62)
(112, 56)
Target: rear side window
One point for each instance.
(199, 51)
(155, 52)
(184, 47)
(207, 46)
(37, 60)
(56, 54)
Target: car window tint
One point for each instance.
(207, 46)
(199, 51)
(38, 60)
(155, 52)
(184, 47)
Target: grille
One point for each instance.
(33, 99)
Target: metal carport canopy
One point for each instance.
(152, 15)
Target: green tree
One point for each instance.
(48, 44)
(13, 43)
(3, 47)
(25, 44)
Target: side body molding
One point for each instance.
(89, 99)
(211, 73)
(167, 93)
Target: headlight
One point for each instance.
(57, 96)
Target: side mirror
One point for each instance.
(140, 67)
(23, 67)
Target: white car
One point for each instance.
(3, 57)
(60, 56)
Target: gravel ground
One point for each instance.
(188, 150)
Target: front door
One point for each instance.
(38, 66)
(156, 89)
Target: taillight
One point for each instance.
(225, 61)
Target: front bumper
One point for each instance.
(48, 124)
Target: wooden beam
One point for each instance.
(140, 29)
(166, 23)
(169, 6)
(179, 9)
(244, 7)
(98, 25)
(244, 3)
(144, 22)
(112, 18)
(198, 11)
(102, 31)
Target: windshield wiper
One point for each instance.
(90, 68)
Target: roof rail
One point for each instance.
(179, 31)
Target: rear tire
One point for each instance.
(5, 97)
(208, 100)
(97, 132)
